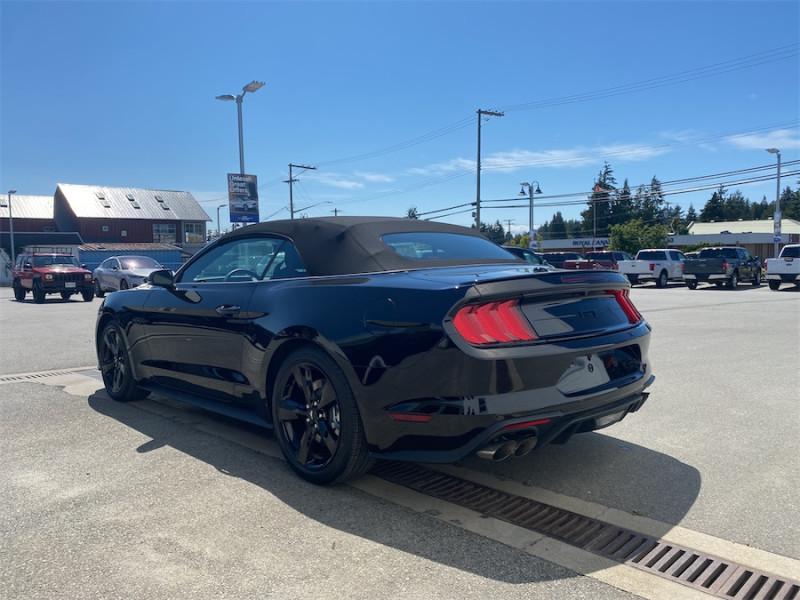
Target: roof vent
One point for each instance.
(159, 198)
(100, 195)
(135, 204)
(130, 197)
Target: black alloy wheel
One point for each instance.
(662, 280)
(733, 282)
(317, 424)
(115, 366)
(98, 291)
(692, 285)
(19, 291)
(66, 295)
(38, 292)
(774, 284)
(88, 294)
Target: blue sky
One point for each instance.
(120, 93)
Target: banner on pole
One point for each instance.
(243, 198)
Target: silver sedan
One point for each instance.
(122, 272)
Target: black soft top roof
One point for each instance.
(347, 245)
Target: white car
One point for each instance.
(785, 268)
(661, 265)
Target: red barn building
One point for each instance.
(129, 215)
(30, 213)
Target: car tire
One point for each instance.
(88, 294)
(123, 285)
(757, 280)
(692, 285)
(662, 280)
(98, 291)
(634, 280)
(774, 285)
(733, 282)
(325, 442)
(38, 293)
(19, 291)
(115, 366)
(66, 295)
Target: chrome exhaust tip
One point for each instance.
(497, 452)
(525, 446)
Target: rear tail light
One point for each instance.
(624, 301)
(652, 266)
(498, 322)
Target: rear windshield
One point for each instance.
(718, 253)
(791, 252)
(562, 256)
(43, 261)
(600, 255)
(429, 245)
(139, 262)
(651, 255)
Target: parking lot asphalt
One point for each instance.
(101, 499)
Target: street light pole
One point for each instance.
(776, 217)
(489, 113)
(291, 181)
(11, 229)
(219, 229)
(531, 191)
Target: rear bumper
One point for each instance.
(784, 277)
(449, 405)
(705, 277)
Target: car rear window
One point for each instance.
(600, 255)
(651, 255)
(562, 256)
(429, 245)
(793, 252)
(719, 253)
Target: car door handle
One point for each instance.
(228, 310)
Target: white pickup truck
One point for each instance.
(785, 268)
(659, 264)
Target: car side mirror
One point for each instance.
(83, 265)
(27, 266)
(162, 278)
(115, 268)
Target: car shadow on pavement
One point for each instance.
(601, 466)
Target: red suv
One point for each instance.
(45, 274)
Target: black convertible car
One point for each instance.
(361, 338)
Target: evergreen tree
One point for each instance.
(599, 203)
(412, 213)
(691, 214)
(714, 208)
(790, 203)
(736, 207)
(558, 229)
(623, 206)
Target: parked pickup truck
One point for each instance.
(661, 265)
(44, 274)
(722, 266)
(785, 268)
(601, 259)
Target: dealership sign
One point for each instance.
(243, 198)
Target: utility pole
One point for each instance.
(11, 229)
(336, 211)
(219, 231)
(776, 218)
(291, 181)
(508, 224)
(481, 113)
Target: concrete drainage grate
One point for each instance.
(18, 377)
(697, 570)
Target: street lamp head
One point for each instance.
(221, 206)
(227, 97)
(538, 189)
(253, 86)
(773, 151)
(12, 191)
(522, 190)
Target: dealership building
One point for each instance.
(756, 236)
(94, 222)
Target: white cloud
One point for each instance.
(579, 156)
(785, 139)
(336, 180)
(374, 177)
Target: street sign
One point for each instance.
(243, 198)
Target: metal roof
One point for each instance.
(758, 226)
(127, 247)
(27, 207)
(100, 202)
